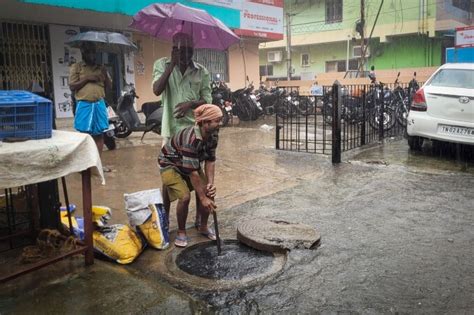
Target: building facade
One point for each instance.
(326, 35)
(33, 50)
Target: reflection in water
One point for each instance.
(434, 156)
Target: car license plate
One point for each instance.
(456, 131)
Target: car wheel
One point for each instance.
(415, 143)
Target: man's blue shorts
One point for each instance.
(91, 117)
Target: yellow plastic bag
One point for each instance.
(100, 215)
(153, 229)
(118, 242)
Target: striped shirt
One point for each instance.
(186, 150)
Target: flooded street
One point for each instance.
(397, 234)
(392, 241)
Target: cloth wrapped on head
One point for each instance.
(207, 112)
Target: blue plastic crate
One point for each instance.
(25, 115)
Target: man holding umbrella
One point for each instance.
(183, 85)
(88, 82)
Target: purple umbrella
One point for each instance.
(164, 20)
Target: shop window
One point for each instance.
(305, 60)
(216, 62)
(266, 70)
(333, 11)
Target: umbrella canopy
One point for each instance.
(164, 20)
(104, 41)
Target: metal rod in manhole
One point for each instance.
(218, 238)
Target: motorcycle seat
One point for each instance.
(149, 107)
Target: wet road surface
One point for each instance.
(397, 234)
(392, 241)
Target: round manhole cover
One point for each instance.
(277, 235)
(235, 262)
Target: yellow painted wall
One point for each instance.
(239, 69)
(150, 50)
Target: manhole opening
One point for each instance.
(237, 261)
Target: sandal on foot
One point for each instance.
(209, 234)
(181, 241)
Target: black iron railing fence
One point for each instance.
(300, 123)
(342, 118)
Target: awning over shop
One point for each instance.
(230, 17)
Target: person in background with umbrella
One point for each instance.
(88, 81)
(184, 85)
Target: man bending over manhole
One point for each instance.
(180, 167)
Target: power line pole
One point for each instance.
(288, 45)
(362, 36)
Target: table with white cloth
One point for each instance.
(35, 161)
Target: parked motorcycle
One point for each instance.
(400, 102)
(246, 105)
(222, 97)
(288, 104)
(379, 96)
(413, 87)
(268, 98)
(284, 104)
(351, 109)
(128, 120)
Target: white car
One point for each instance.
(443, 109)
